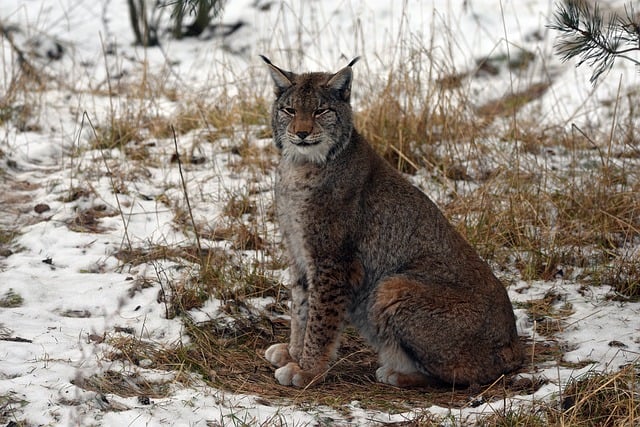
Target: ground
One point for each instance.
(141, 268)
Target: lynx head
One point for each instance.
(311, 117)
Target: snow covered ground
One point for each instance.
(69, 287)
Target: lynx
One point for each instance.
(369, 249)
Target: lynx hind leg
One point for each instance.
(437, 331)
(393, 301)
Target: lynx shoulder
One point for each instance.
(367, 248)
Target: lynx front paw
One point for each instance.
(293, 374)
(278, 355)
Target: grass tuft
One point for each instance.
(7, 237)
(88, 220)
(11, 299)
(10, 408)
(119, 134)
(124, 384)
(520, 417)
(599, 399)
(408, 120)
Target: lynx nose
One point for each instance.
(302, 134)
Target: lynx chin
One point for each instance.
(367, 248)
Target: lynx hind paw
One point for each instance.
(278, 354)
(293, 374)
(392, 377)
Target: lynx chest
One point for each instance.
(304, 209)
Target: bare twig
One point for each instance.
(184, 189)
(114, 188)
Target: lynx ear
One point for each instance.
(282, 79)
(341, 81)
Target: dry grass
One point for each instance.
(595, 399)
(11, 299)
(88, 220)
(148, 255)
(22, 87)
(209, 273)
(599, 399)
(579, 218)
(7, 236)
(220, 117)
(525, 417)
(551, 223)
(124, 384)
(227, 354)
(407, 120)
(547, 314)
(11, 405)
(509, 104)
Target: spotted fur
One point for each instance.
(369, 249)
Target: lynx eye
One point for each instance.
(321, 111)
(289, 111)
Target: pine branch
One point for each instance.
(585, 35)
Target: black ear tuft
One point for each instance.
(341, 81)
(351, 64)
(282, 79)
(265, 59)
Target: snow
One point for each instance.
(74, 288)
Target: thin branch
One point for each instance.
(184, 189)
(114, 187)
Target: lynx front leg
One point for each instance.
(281, 354)
(327, 301)
(299, 313)
(321, 341)
(326, 317)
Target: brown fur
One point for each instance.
(368, 248)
